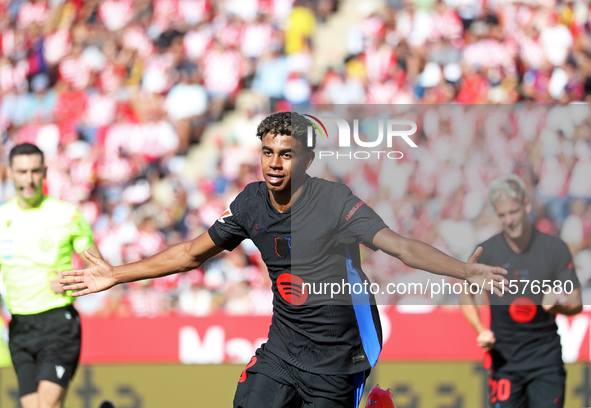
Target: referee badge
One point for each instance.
(45, 244)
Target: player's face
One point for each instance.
(284, 162)
(513, 216)
(27, 171)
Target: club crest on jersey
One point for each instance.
(225, 214)
(283, 247)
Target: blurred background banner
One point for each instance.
(410, 334)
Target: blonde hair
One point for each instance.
(511, 185)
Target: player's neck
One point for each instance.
(29, 204)
(282, 200)
(520, 244)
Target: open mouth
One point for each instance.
(275, 178)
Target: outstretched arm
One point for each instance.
(177, 258)
(419, 255)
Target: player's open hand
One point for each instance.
(489, 278)
(97, 278)
(486, 339)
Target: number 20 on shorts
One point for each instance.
(500, 390)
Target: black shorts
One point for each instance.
(45, 346)
(268, 381)
(542, 388)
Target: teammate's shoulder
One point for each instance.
(492, 241)
(328, 186)
(254, 189)
(549, 240)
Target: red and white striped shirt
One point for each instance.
(135, 38)
(115, 170)
(382, 92)
(100, 110)
(446, 25)
(32, 12)
(156, 74)
(379, 62)
(57, 45)
(531, 51)
(75, 71)
(165, 11)
(488, 53)
(7, 43)
(14, 77)
(222, 71)
(151, 140)
(111, 77)
(115, 14)
(194, 11)
(229, 33)
(196, 42)
(256, 39)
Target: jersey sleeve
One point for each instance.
(81, 232)
(230, 228)
(358, 222)
(565, 268)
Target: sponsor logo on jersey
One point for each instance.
(292, 289)
(225, 214)
(523, 310)
(353, 210)
(258, 229)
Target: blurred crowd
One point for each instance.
(147, 112)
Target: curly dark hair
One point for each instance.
(287, 123)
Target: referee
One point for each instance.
(319, 352)
(37, 237)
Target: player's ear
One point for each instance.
(527, 204)
(310, 158)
